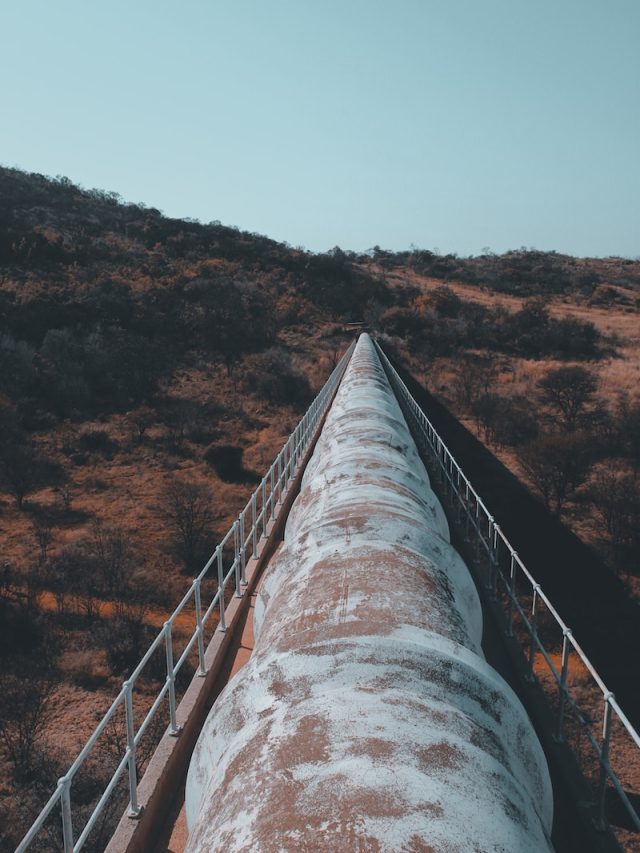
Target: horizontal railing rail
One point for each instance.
(227, 564)
(508, 580)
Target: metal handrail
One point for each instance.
(492, 540)
(262, 508)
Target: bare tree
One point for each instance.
(55, 578)
(23, 469)
(474, 377)
(568, 391)
(7, 579)
(43, 534)
(140, 420)
(25, 710)
(628, 431)
(76, 575)
(115, 556)
(18, 471)
(187, 509)
(557, 464)
(615, 494)
(179, 418)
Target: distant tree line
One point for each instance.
(448, 324)
(522, 272)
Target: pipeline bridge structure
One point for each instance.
(375, 670)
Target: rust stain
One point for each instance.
(442, 756)
(369, 712)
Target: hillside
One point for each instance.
(149, 363)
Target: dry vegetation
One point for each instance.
(149, 364)
(516, 401)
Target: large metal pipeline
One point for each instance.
(367, 718)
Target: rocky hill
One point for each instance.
(149, 363)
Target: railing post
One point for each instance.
(200, 628)
(222, 625)
(263, 494)
(236, 558)
(272, 472)
(284, 469)
(280, 477)
(134, 809)
(532, 640)
(445, 477)
(562, 687)
(489, 550)
(601, 820)
(494, 560)
(453, 491)
(243, 549)
(467, 514)
(171, 679)
(300, 443)
(254, 527)
(512, 591)
(287, 463)
(65, 806)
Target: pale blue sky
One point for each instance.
(455, 124)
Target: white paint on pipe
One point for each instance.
(367, 718)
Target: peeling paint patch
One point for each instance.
(367, 718)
